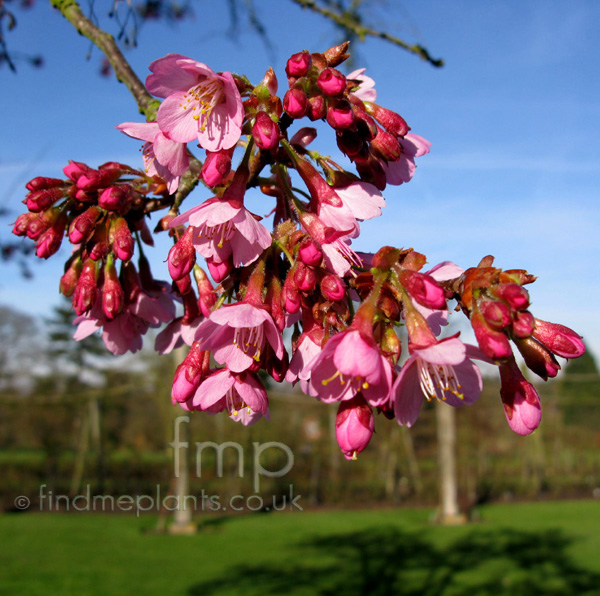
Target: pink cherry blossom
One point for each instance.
(124, 332)
(521, 401)
(359, 201)
(350, 363)
(163, 157)
(442, 371)
(243, 396)
(199, 102)
(225, 228)
(436, 319)
(299, 369)
(238, 335)
(354, 426)
(366, 89)
(176, 334)
(402, 170)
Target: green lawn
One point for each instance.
(534, 549)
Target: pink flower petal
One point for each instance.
(176, 120)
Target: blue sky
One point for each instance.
(513, 119)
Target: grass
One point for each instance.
(533, 549)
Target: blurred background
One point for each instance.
(514, 171)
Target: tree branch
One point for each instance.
(105, 42)
(350, 22)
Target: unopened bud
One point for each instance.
(392, 122)
(514, 295)
(265, 132)
(333, 288)
(295, 103)
(70, 277)
(49, 242)
(523, 324)
(496, 314)
(304, 277)
(22, 223)
(340, 114)
(337, 54)
(559, 339)
(298, 64)
(182, 256)
(207, 297)
(43, 183)
(121, 239)
(217, 166)
(115, 198)
(331, 82)
(83, 226)
(219, 271)
(309, 253)
(493, 343)
(86, 290)
(317, 107)
(40, 200)
(113, 296)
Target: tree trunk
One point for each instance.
(446, 432)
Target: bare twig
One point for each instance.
(105, 42)
(350, 22)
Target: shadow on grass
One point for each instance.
(384, 561)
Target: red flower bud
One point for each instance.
(493, 343)
(115, 198)
(49, 242)
(121, 239)
(189, 374)
(113, 296)
(217, 166)
(43, 183)
(333, 288)
(83, 226)
(40, 200)
(22, 223)
(182, 256)
(496, 314)
(265, 132)
(523, 324)
(304, 277)
(219, 271)
(386, 146)
(559, 339)
(295, 103)
(290, 297)
(538, 358)
(331, 82)
(514, 295)
(317, 107)
(86, 290)
(298, 64)
(309, 253)
(37, 226)
(69, 279)
(207, 297)
(75, 169)
(423, 289)
(392, 122)
(340, 114)
(95, 179)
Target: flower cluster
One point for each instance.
(297, 276)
